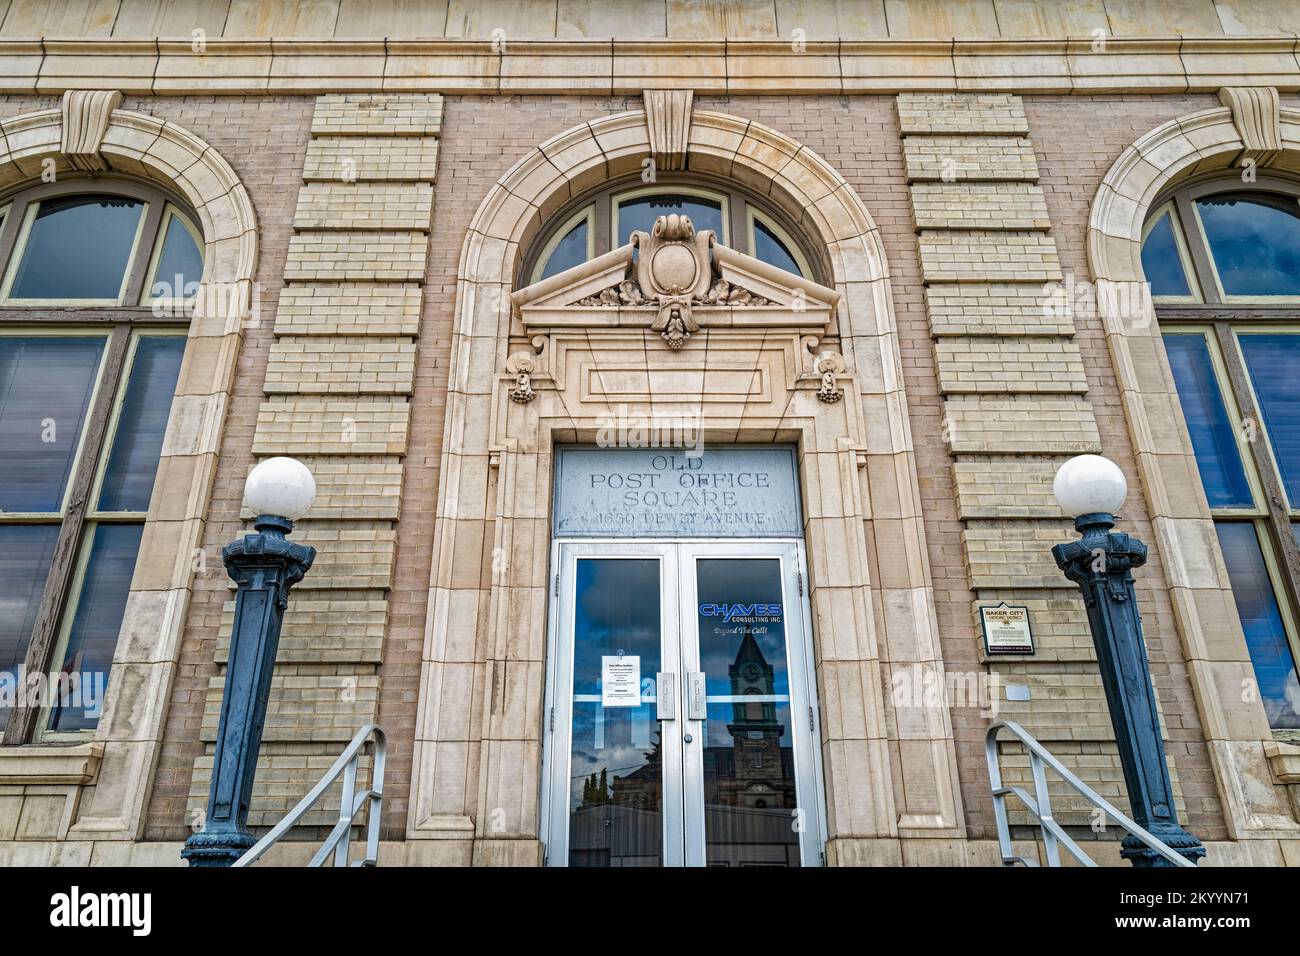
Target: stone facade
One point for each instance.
(960, 171)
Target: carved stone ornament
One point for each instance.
(522, 365)
(1256, 113)
(674, 271)
(85, 121)
(828, 366)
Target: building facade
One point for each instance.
(683, 383)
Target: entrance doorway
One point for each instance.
(681, 718)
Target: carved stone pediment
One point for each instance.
(675, 280)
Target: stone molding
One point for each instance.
(890, 773)
(131, 728)
(1168, 64)
(51, 765)
(1205, 613)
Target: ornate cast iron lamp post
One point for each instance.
(263, 565)
(1091, 489)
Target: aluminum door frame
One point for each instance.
(557, 758)
(805, 718)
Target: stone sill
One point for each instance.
(1283, 760)
(48, 764)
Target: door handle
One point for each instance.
(665, 698)
(697, 703)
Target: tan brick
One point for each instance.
(341, 365)
(309, 426)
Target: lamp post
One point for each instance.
(1091, 489)
(263, 565)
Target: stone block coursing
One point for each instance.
(964, 158)
(341, 365)
(947, 113)
(1008, 365)
(349, 309)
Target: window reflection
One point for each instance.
(1273, 362)
(180, 262)
(78, 247)
(137, 444)
(93, 635)
(1261, 620)
(46, 386)
(1254, 241)
(769, 247)
(750, 801)
(616, 769)
(1213, 438)
(568, 252)
(1161, 262)
(25, 555)
(641, 212)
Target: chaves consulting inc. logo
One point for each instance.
(730, 612)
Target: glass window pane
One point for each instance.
(137, 442)
(568, 252)
(769, 248)
(1274, 365)
(1213, 439)
(180, 264)
(1161, 262)
(46, 384)
(1266, 640)
(78, 248)
(25, 555)
(750, 799)
(1255, 243)
(93, 638)
(641, 213)
(616, 769)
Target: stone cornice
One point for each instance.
(627, 67)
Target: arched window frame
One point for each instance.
(739, 207)
(122, 323)
(1221, 321)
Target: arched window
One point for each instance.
(95, 278)
(1223, 263)
(606, 219)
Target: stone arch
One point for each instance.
(1250, 127)
(467, 769)
(90, 134)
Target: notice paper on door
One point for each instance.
(620, 681)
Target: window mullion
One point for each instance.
(1197, 248)
(143, 253)
(9, 232)
(1275, 506)
(23, 717)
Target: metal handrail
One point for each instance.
(350, 804)
(1040, 804)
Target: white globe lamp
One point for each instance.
(1089, 484)
(280, 487)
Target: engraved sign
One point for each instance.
(620, 681)
(731, 492)
(1006, 629)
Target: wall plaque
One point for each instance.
(1006, 629)
(727, 492)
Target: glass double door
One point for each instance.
(681, 724)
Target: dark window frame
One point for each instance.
(120, 324)
(738, 202)
(1222, 321)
